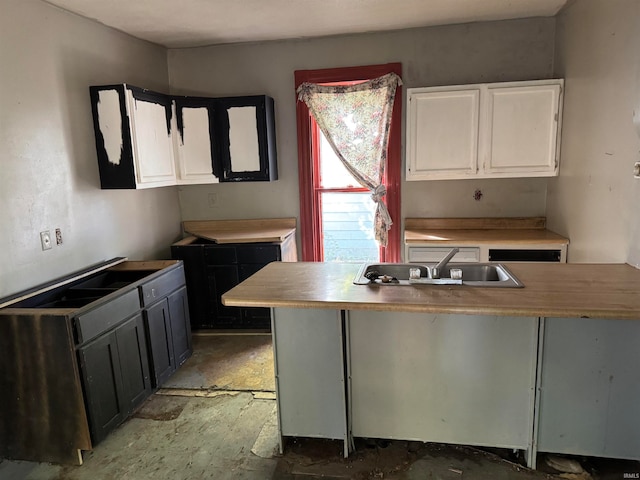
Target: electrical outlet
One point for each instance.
(45, 240)
(213, 200)
(636, 170)
(58, 236)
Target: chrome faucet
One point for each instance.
(435, 271)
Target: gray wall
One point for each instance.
(48, 167)
(596, 201)
(480, 52)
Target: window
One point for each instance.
(329, 195)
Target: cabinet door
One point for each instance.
(254, 317)
(310, 382)
(195, 140)
(115, 370)
(442, 133)
(134, 363)
(223, 278)
(180, 326)
(159, 332)
(152, 143)
(523, 125)
(113, 136)
(246, 129)
(590, 388)
(100, 365)
(195, 272)
(461, 379)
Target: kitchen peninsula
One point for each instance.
(551, 367)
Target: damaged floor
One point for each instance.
(217, 420)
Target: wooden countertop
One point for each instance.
(482, 237)
(480, 231)
(551, 290)
(242, 231)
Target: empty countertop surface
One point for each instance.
(479, 231)
(551, 290)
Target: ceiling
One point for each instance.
(194, 23)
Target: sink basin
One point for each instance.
(472, 274)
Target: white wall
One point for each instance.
(48, 167)
(481, 52)
(595, 201)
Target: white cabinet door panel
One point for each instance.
(244, 150)
(152, 143)
(443, 133)
(193, 147)
(523, 129)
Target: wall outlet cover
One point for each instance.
(45, 240)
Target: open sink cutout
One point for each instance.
(472, 274)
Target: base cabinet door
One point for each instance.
(310, 376)
(163, 362)
(180, 326)
(223, 278)
(100, 365)
(132, 351)
(115, 370)
(590, 388)
(461, 379)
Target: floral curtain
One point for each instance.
(356, 119)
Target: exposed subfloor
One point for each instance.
(201, 429)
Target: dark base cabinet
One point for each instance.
(169, 332)
(213, 269)
(97, 343)
(115, 370)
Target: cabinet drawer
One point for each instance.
(162, 286)
(262, 254)
(102, 318)
(435, 254)
(220, 255)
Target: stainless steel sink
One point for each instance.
(472, 274)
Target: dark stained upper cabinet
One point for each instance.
(146, 139)
(246, 129)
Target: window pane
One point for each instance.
(333, 173)
(347, 227)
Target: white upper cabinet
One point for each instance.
(484, 131)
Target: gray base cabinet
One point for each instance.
(310, 374)
(458, 379)
(590, 388)
(541, 385)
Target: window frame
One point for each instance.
(308, 157)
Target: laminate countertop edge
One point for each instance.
(551, 290)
